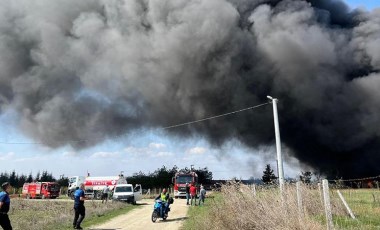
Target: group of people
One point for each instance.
(79, 198)
(191, 194)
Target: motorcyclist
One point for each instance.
(164, 197)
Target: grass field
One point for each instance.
(365, 205)
(58, 214)
(236, 207)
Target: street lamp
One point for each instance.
(278, 143)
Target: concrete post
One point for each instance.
(326, 198)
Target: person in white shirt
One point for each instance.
(105, 194)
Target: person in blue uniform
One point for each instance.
(80, 210)
(5, 203)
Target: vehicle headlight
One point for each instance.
(115, 196)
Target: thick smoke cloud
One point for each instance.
(90, 70)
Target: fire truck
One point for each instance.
(41, 190)
(94, 185)
(180, 179)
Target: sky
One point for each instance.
(143, 150)
(368, 4)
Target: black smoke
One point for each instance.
(79, 72)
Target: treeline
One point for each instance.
(162, 177)
(17, 180)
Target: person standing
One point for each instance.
(5, 203)
(111, 193)
(80, 210)
(187, 193)
(105, 194)
(193, 194)
(202, 196)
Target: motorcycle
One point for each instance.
(158, 210)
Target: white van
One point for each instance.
(126, 192)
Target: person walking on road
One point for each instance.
(80, 210)
(105, 194)
(202, 196)
(187, 193)
(5, 203)
(193, 194)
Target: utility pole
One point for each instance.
(278, 144)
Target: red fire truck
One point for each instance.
(41, 190)
(180, 179)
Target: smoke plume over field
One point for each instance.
(90, 70)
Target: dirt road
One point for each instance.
(140, 218)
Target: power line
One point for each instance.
(164, 128)
(213, 117)
(356, 179)
(40, 143)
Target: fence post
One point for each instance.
(299, 201)
(320, 192)
(326, 197)
(346, 205)
(254, 190)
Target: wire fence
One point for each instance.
(300, 206)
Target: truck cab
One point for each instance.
(180, 179)
(127, 193)
(74, 183)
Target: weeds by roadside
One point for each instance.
(55, 214)
(236, 207)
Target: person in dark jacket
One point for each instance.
(80, 210)
(5, 203)
(187, 193)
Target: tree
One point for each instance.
(47, 177)
(305, 177)
(4, 177)
(63, 181)
(30, 178)
(21, 180)
(204, 176)
(13, 179)
(38, 176)
(268, 175)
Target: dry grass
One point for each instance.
(53, 214)
(238, 208)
